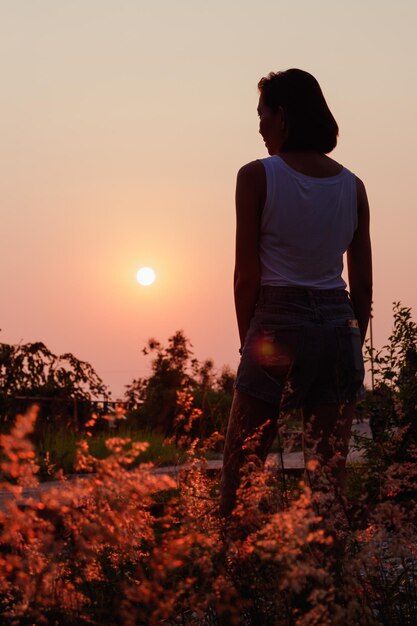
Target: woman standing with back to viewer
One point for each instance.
(301, 333)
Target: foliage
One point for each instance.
(31, 370)
(395, 374)
(123, 546)
(153, 401)
(56, 447)
(392, 406)
(156, 396)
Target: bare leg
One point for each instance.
(326, 435)
(327, 430)
(247, 416)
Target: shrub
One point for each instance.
(123, 546)
(392, 408)
(65, 384)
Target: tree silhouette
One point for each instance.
(31, 371)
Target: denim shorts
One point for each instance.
(303, 348)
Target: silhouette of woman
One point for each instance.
(298, 211)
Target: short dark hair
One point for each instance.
(310, 124)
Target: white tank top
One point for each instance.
(307, 224)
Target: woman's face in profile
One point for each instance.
(271, 127)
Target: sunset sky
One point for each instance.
(123, 124)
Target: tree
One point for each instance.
(32, 371)
(153, 400)
(157, 401)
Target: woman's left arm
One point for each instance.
(250, 199)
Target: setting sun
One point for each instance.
(145, 276)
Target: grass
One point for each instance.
(158, 452)
(56, 448)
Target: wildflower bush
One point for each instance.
(124, 546)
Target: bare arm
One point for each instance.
(250, 198)
(359, 260)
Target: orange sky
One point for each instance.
(123, 125)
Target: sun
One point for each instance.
(145, 276)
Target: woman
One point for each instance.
(301, 333)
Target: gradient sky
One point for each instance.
(123, 124)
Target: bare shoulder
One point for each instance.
(251, 185)
(253, 171)
(360, 185)
(361, 195)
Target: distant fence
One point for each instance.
(74, 412)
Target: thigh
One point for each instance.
(328, 427)
(326, 434)
(271, 355)
(251, 430)
(252, 426)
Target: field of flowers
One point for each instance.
(128, 547)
